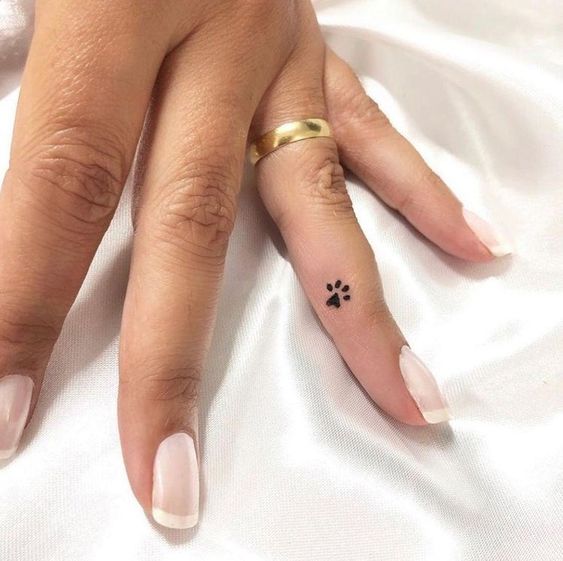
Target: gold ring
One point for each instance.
(287, 133)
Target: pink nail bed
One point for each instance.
(497, 242)
(423, 387)
(15, 399)
(175, 499)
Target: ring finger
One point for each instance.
(302, 185)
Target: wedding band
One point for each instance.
(287, 133)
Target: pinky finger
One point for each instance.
(392, 168)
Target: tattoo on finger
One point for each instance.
(338, 292)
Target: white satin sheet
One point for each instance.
(297, 463)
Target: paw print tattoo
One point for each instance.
(335, 299)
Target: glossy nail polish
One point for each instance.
(423, 387)
(496, 241)
(175, 498)
(15, 399)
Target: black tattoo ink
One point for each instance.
(335, 298)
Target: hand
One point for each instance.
(211, 73)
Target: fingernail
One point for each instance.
(175, 496)
(423, 387)
(15, 398)
(496, 241)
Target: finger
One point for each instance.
(395, 171)
(81, 107)
(303, 188)
(186, 212)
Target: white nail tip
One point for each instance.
(423, 388)
(496, 241)
(437, 416)
(173, 520)
(501, 250)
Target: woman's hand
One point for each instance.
(212, 73)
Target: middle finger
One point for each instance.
(188, 185)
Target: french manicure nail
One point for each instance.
(496, 241)
(423, 387)
(15, 399)
(175, 498)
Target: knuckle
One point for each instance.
(358, 107)
(320, 185)
(408, 203)
(325, 184)
(26, 341)
(196, 211)
(177, 385)
(79, 178)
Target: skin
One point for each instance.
(210, 82)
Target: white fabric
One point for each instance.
(298, 464)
